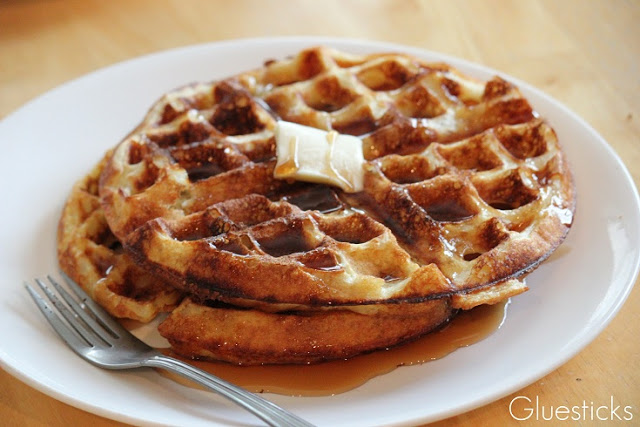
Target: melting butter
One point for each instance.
(314, 155)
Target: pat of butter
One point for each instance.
(314, 155)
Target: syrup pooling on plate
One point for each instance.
(339, 376)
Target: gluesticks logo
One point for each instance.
(523, 408)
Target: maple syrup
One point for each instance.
(291, 166)
(315, 197)
(448, 211)
(203, 171)
(334, 377)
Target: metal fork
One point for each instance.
(96, 337)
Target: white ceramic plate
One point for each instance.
(55, 139)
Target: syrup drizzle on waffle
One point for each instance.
(466, 190)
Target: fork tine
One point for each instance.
(131, 353)
(91, 323)
(71, 318)
(63, 330)
(109, 323)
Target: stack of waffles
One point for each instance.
(465, 190)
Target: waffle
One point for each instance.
(248, 332)
(465, 191)
(271, 334)
(92, 256)
(465, 187)
(256, 337)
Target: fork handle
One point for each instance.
(267, 411)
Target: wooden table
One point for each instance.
(585, 54)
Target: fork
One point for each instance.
(98, 338)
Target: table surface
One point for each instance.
(584, 54)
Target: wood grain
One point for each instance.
(585, 54)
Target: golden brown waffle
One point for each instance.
(465, 187)
(254, 333)
(252, 337)
(91, 255)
